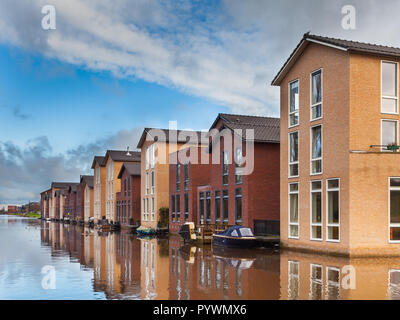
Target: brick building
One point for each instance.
(86, 186)
(99, 188)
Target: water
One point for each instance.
(92, 265)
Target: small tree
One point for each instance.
(164, 217)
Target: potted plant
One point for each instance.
(393, 147)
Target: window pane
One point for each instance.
(294, 147)
(294, 170)
(316, 203)
(389, 79)
(395, 234)
(293, 187)
(316, 142)
(316, 185)
(333, 233)
(316, 87)
(333, 207)
(294, 210)
(294, 118)
(332, 184)
(389, 129)
(316, 166)
(316, 111)
(294, 231)
(394, 206)
(294, 96)
(317, 232)
(395, 182)
(389, 105)
(225, 205)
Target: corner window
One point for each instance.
(389, 90)
(394, 210)
(389, 134)
(294, 103)
(316, 150)
(294, 210)
(316, 95)
(333, 210)
(293, 154)
(316, 210)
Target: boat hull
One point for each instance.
(234, 242)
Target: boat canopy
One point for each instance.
(237, 231)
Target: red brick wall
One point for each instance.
(133, 196)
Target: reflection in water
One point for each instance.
(101, 265)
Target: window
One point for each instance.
(394, 210)
(316, 95)
(153, 155)
(152, 209)
(332, 283)
(125, 186)
(147, 183)
(225, 201)
(186, 207)
(178, 207)
(238, 165)
(316, 284)
(333, 209)
(217, 200)
(128, 215)
(208, 207)
(186, 176)
(294, 154)
(201, 207)
(225, 168)
(389, 135)
(147, 158)
(172, 208)
(178, 177)
(129, 187)
(147, 209)
(316, 150)
(144, 209)
(238, 205)
(316, 210)
(394, 284)
(294, 280)
(152, 182)
(389, 93)
(294, 210)
(294, 103)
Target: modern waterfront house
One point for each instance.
(340, 175)
(113, 160)
(54, 198)
(86, 186)
(128, 199)
(99, 188)
(156, 145)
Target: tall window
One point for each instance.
(208, 207)
(316, 95)
(147, 209)
(238, 165)
(186, 176)
(293, 280)
(178, 177)
(186, 207)
(201, 207)
(128, 215)
(394, 205)
(147, 183)
(152, 209)
(294, 210)
(225, 168)
(125, 187)
(316, 210)
(152, 182)
(129, 186)
(316, 150)
(294, 103)
(225, 202)
(332, 283)
(147, 158)
(172, 208)
(294, 154)
(389, 89)
(389, 134)
(316, 284)
(333, 209)
(153, 155)
(217, 200)
(238, 205)
(178, 207)
(144, 209)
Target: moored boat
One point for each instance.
(145, 231)
(236, 236)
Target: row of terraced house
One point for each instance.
(326, 175)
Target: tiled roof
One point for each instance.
(133, 169)
(182, 135)
(119, 155)
(100, 160)
(88, 180)
(61, 184)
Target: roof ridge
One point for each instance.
(247, 115)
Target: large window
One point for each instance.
(172, 208)
(178, 177)
(152, 209)
(186, 176)
(178, 207)
(293, 154)
(217, 206)
(225, 168)
(238, 165)
(333, 209)
(316, 150)
(225, 208)
(238, 205)
(389, 134)
(152, 182)
(316, 284)
(316, 210)
(394, 211)
(294, 103)
(208, 207)
(294, 210)
(186, 207)
(316, 95)
(389, 89)
(201, 207)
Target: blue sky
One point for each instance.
(113, 67)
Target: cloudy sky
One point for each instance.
(112, 67)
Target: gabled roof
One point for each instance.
(100, 160)
(266, 129)
(182, 135)
(133, 169)
(73, 187)
(87, 180)
(61, 185)
(345, 45)
(119, 155)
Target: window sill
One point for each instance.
(333, 241)
(316, 119)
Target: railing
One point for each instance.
(389, 147)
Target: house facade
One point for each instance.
(86, 184)
(156, 145)
(99, 188)
(128, 199)
(339, 135)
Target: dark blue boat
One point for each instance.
(236, 236)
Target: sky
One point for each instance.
(111, 68)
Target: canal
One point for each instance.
(46, 260)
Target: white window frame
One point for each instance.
(147, 155)
(397, 89)
(397, 133)
(322, 95)
(295, 276)
(144, 209)
(298, 209)
(298, 154)
(147, 183)
(311, 151)
(317, 281)
(153, 155)
(152, 209)
(391, 285)
(298, 110)
(313, 224)
(392, 225)
(327, 210)
(153, 181)
(330, 282)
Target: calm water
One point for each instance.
(89, 265)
